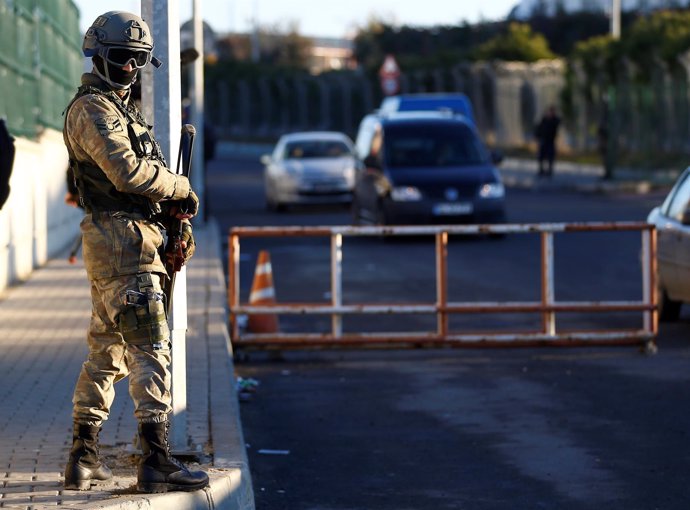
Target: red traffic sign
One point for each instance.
(389, 75)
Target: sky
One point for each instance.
(317, 17)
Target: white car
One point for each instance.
(311, 167)
(672, 220)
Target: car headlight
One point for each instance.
(349, 175)
(492, 190)
(406, 194)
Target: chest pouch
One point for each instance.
(142, 141)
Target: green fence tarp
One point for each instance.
(40, 63)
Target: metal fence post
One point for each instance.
(547, 282)
(337, 282)
(441, 283)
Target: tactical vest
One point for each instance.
(96, 191)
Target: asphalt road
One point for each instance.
(583, 428)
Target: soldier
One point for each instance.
(127, 192)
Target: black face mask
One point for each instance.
(115, 76)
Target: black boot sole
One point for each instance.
(81, 485)
(157, 488)
(85, 485)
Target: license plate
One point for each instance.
(323, 186)
(453, 209)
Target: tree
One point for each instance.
(518, 43)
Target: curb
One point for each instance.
(522, 174)
(221, 494)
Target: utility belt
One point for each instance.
(98, 194)
(145, 213)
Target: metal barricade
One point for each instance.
(548, 307)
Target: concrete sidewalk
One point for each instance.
(522, 173)
(43, 325)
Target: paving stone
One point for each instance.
(43, 343)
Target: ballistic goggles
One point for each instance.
(120, 56)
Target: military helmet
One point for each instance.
(117, 28)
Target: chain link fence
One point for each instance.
(508, 99)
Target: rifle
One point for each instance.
(174, 255)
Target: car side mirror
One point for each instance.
(496, 156)
(265, 159)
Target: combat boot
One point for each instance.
(158, 470)
(84, 466)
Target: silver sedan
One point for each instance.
(672, 220)
(313, 167)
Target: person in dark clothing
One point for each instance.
(7, 151)
(546, 133)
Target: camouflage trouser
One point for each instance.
(128, 335)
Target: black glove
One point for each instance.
(190, 205)
(188, 237)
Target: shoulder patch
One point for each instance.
(109, 124)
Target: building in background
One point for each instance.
(331, 54)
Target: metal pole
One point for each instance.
(616, 19)
(256, 49)
(197, 109)
(547, 283)
(164, 100)
(647, 288)
(337, 282)
(234, 284)
(442, 283)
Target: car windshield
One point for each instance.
(316, 149)
(432, 146)
(680, 200)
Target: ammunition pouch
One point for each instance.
(143, 143)
(143, 321)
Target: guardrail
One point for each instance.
(548, 307)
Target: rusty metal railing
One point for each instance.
(548, 307)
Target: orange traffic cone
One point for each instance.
(262, 293)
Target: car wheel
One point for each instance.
(669, 310)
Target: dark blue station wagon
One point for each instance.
(425, 168)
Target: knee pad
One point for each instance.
(143, 320)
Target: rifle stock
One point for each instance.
(174, 254)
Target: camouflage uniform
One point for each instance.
(126, 189)
(122, 177)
